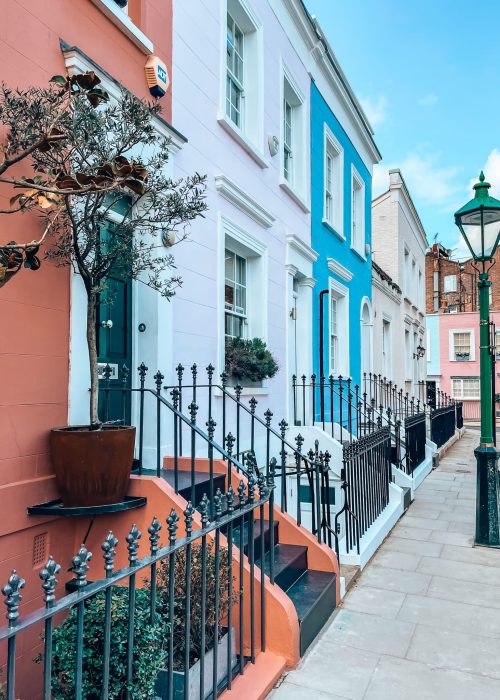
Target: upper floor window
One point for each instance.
(333, 181)
(235, 295)
(450, 283)
(241, 93)
(234, 75)
(293, 137)
(358, 209)
(461, 344)
(287, 141)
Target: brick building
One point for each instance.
(451, 286)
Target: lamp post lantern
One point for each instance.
(479, 224)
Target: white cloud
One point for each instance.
(491, 171)
(428, 100)
(427, 180)
(375, 109)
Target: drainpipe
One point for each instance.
(321, 348)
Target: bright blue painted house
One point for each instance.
(342, 156)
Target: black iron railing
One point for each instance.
(460, 414)
(415, 439)
(222, 426)
(368, 474)
(158, 608)
(443, 422)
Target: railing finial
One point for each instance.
(13, 597)
(109, 553)
(132, 540)
(48, 576)
(79, 566)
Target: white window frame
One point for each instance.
(336, 219)
(231, 74)
(295, 184)
(387, 351)
(233, 237)
(454, 289)
(341, 293)
(358, 241)
(407, 269)
(461, 395)
(451, 341)
(235, 312)
(250, 134)
(408, 355)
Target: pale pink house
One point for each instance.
(458, 364)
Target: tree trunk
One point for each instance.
(92, 347)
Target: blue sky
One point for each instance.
(428, 75)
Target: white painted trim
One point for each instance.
(362, 186)
(297, 189)
(241, 236)
(297, 198)
(337, 224)
(252, 145)
(121, 20)
(339, 269)
(365, 301)
(340, 291)
(228, 228)
(451, 350)
(243, 140)
(228, 189)
(301, 248)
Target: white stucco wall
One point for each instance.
(198, 308)
(398, 235)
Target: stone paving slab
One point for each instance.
(423, 620)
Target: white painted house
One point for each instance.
(398, 295)
(243, 102)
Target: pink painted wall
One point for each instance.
(451, 368)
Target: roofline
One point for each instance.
(313, 34)
(411, 204)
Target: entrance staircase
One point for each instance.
(312, 592)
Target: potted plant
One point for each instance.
(149, 649)
(249, 362)
(108, 158)
(195, 651)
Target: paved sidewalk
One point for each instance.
(423, 621)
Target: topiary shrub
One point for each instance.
(149, 649)
(163, 576)
(249, 359)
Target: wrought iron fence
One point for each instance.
(367, 476)
(183, 602)
(415, 438)
(460, 414)
(240, 437)
(443, 421)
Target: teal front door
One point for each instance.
(114, 348)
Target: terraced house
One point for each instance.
(187, 452)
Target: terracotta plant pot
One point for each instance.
(92, 467)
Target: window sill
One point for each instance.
(243, 140)
(121, 20)
(332, 229)
(297, 198)
(360, 255)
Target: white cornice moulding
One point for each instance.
(121, 20)
(339, 269)
(301, 248)
(228, 189)
(390, 294)
(76, 62)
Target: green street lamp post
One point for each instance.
(479, 223)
